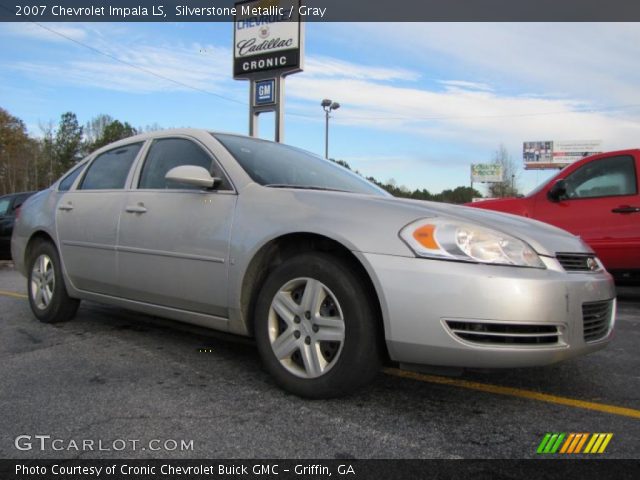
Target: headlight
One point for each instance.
(454, 240)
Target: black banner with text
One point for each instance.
(584, 469)
(324, 11)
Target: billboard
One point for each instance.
(486, 172)
(266, 37)
(557, 153)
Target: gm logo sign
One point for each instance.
(265, 92)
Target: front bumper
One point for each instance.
(421, 298)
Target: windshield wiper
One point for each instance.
(304, 187)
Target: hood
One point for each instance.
(496, 203)
(391, 214)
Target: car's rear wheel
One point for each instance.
(48, 296)
(316, 327)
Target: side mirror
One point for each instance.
(557, 191)
(192, 175)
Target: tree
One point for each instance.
(458, 195)
(105, 130)
(67, 144)
(154, 127)
(94, 128)
(341, 163)
(47, 154)
(509, 185)
(17, 155)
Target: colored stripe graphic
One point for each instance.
(583, 438)
(543, 443)
(572, 443)
(555, 447)
(567, 442)
(605, 443)
(551, 442)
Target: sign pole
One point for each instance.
(268, 45)
(279, 134)
(254, 125)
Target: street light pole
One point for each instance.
(327, 106)
(326, 133)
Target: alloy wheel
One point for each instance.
(306, 327)
(43, 281)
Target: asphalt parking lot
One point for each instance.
(112, 374)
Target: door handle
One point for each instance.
(626, 209)
(136, 208)
(68, 207)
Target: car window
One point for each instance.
(20, 199)
(603, 178)
(277, 165)
(168, 153)
(4, 205)
(110, 169)
(66, 182)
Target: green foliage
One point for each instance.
(457, 195)
(31, 164)
(21, 161)
(110, 131)
(67, 143)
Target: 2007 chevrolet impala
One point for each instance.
(328, 272)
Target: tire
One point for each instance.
(48, 296)
(316, 313)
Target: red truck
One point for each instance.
(596, 198)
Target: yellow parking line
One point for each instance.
(482, 387)
(5, 293)
(515, 392)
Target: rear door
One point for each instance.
(87, 220)
(602, 206)
(174, 239)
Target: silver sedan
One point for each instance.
(330, 274)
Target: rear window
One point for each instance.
(4, 205)
(109, 170)
(66, 182)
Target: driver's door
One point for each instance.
(173, 247)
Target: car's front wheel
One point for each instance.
(316, 327)
(48, 296)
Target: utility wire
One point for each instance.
(344, 117)
(138, 67)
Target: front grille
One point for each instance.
(577, 262)
(596, 319)
(504, 334)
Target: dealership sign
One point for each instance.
(267, 37)
(557, 154)
(486, 172)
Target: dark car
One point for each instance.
(9, 207)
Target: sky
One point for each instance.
(420, 102)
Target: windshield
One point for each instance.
(281, 166)
(4, 205)
(542, 184)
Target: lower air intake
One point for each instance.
(596, 319)
(504, 334)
